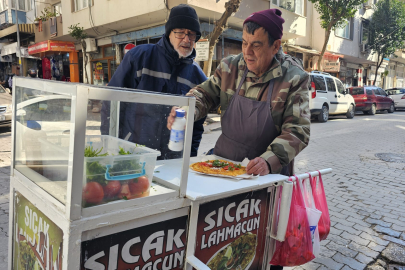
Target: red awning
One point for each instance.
(51, 46)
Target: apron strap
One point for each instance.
(242, 81)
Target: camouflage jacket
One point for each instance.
(290, 104)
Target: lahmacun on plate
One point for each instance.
(219, 166)
(237, 170)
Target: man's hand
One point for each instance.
(172, 117)
(258, 166)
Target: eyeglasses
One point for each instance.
(191, 36)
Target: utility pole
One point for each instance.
(18, 39)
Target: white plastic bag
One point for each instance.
(313, 214)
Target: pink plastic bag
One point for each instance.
(297, 247)
(318, 193)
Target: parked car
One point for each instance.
(328, 96)
(398, 95)
(5, 107)
(370, 99)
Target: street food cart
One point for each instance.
(80, 199)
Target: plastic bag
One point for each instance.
(297, 246)
(321, 204)
(313, 214)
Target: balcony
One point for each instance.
(295, 25)
(45, 33)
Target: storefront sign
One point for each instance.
(231, 231)
(51, 45)
(39, 47)
(99, 66)
(332, 66)
(202, 50)
(61, 46)
(128, 47)
(160, 245)
(37, 241)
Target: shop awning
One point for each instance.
(312, 51)
(304, 50)
(24, 28)
(12, 49)
(51, 46)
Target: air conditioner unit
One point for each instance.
(91, 45)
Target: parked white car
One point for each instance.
(398, 95)
(328, 96)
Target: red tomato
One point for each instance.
(124, 192)
(93, 192)
(205, 164)
(139, 185)
(226, 168)
(112, 189)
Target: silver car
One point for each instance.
(5, 107)
(398, 95)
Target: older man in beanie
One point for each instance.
(165, 67)
(263, 95)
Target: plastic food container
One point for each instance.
(121, 176)
(105, 178)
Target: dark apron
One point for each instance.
(248, 128)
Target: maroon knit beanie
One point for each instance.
(269, 19)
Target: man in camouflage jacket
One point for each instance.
(289, 100)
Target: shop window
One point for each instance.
(109, 51)
(57, 8)
(141, 41)
(154, 40)
(296, 6)
(103, 65)
(364, 32)
(81, 4)
(346, 31)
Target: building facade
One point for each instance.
(111, 25)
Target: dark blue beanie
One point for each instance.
(183, 16)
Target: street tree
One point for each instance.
(387, 30)
(80, 35)
(231, 7)
(334, 14)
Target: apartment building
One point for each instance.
(347, 55)
(10, 12)
(110, 25)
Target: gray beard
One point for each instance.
(181, 56)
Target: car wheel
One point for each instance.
(391, 109)
(324, 115)
(373, 110)
(350, 112)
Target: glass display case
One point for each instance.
(85, 159)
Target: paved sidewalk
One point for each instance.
(5, 147)
(366, 196)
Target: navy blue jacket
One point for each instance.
(157, 68)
